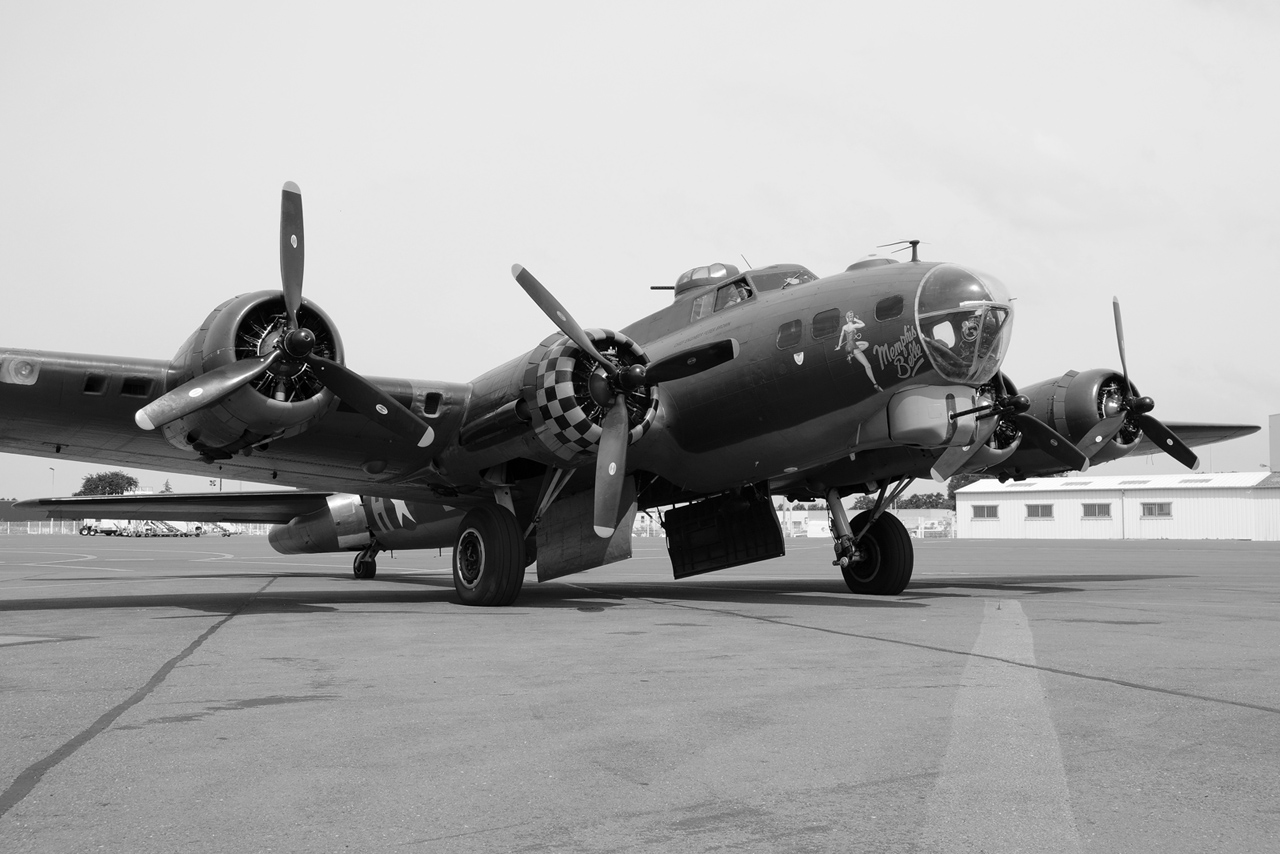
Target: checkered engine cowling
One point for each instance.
(565, 417)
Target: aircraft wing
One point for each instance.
(81, 407)
(1195, 435)
(274, 507)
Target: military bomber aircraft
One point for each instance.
(750, 384)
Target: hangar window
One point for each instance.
(136, 387)
(1133, 482)
(1039, 511)
(986, 511)
(889, 308)
(826, 323)
(1097, 511)
(789, 334)
(1157, 510)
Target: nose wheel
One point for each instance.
(365, 566)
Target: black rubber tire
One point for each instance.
(364, 568)
(890, 557)
(84, 532)
(488, 557)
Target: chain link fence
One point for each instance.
(73, 526)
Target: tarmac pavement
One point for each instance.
(209, 695)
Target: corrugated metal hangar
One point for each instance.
(1226, 506)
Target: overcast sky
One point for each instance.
(1076, 152)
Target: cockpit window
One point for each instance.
(964, 320)
(702, 306)
(776, 279)
(732, 294)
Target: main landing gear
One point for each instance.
(365, 565)
(489, 557)
(874, 551)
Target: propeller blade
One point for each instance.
(1102, 433)
(1167, 441)
(695, 360)
(202, 391)
(954, 458)
(560, 316)
(1051, 442)
(1124, 365)
(291, 250)
(611, 468)
(371, 401)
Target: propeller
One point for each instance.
(1134, 410)
(611, 389)
(1008, 404)
(293, 347)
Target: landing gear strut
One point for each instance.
(365, 565)
(874, 551)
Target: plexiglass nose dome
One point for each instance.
(964, 320)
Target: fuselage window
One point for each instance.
(789, 334)
(826, 323)
(732, 294)
(702, 306)
(889, 308)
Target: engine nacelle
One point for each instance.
(1072, 404)
(352, 522)
(283, 402)
(567, 416)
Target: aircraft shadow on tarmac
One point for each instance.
(581, 594)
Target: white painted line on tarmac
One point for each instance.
(1002, 786)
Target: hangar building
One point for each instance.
(1191, 506)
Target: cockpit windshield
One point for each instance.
(964, 321)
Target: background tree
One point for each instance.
(107, 483)
(926, 501)
(957, 482)
(168, 487)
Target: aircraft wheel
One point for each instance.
(364, 566)
(84, 532)
(488, 557)
(890, 557)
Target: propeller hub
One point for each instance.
(633, 377)
(1019, 403)
(298, 343)
(1142, 405)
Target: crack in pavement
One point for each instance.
(28, 779)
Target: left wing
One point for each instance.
(82, 407)
(273, 507)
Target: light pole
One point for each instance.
(53, 477)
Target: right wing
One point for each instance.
(1195, 435)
